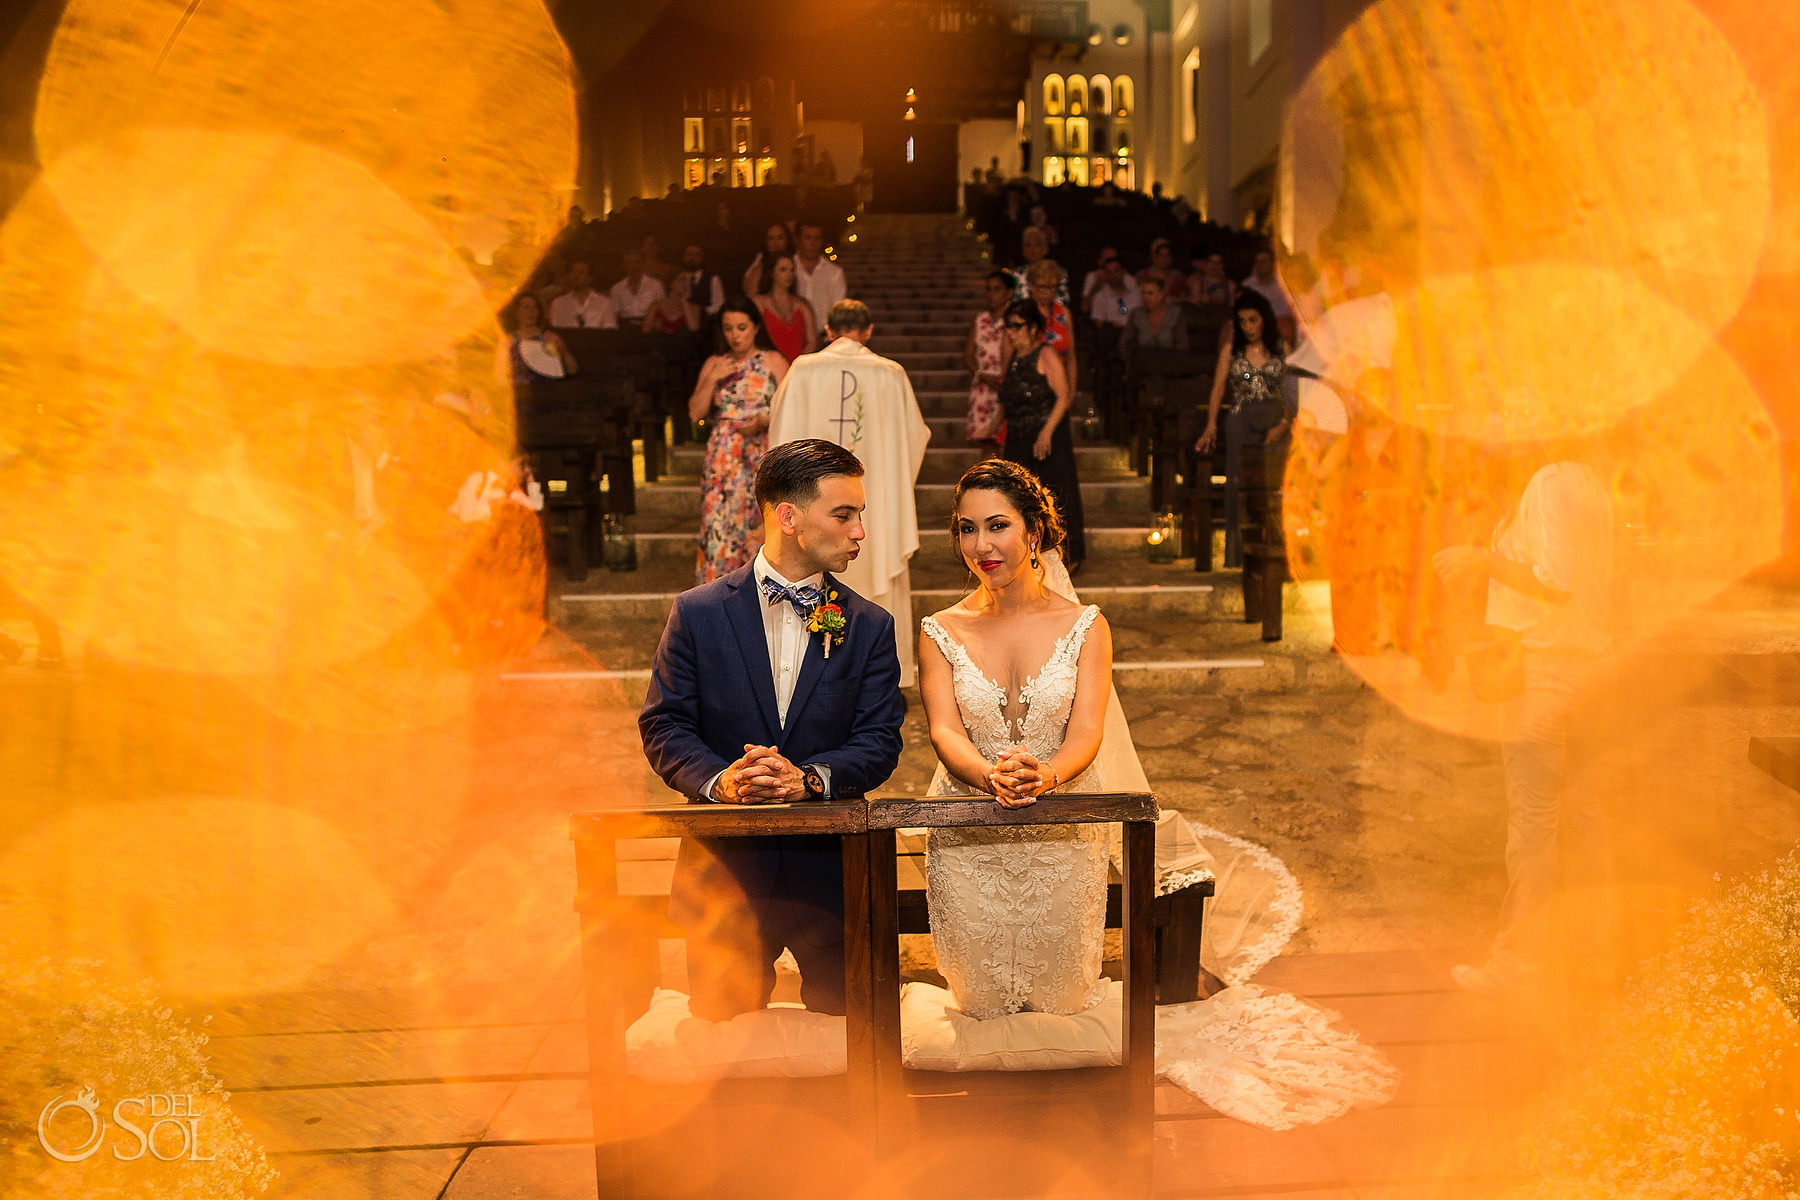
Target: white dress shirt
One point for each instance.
(784, 630)
(1563, 530)
(633, 305)
(1111, 306)
(821, 287)
(593, 312)
(714, 300)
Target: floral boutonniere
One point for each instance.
(828, 622)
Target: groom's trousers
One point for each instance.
(789, 893)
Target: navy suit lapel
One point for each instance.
(812, 665)
(744, 607)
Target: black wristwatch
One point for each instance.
(815, 783)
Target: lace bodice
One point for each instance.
(1039, 716)
(1018, 913)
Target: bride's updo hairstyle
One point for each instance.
(1023, 490)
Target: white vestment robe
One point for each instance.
(848, 394)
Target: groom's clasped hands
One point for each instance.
(761, 776)
(1017, 780)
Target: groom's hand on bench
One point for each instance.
(762, 776)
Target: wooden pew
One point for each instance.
(1105, 1112)
(723, 1138)
(1260, 471)
(566, 428)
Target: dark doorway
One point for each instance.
(914, 164)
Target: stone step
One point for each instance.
(893, 345)
(942, 464)
(916, 361)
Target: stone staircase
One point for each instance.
(1175, 632)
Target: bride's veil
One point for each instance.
(1256, 906)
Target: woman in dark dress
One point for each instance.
(1251, 367)
(1035, 394)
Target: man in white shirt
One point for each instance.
(704, 287)
(819, 281)
(581, 307)
(1091, 280)
(1264, 280)
(635, 295)
(1116, 295)
(1549, 574)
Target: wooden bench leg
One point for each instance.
(1274, 571)
(1138, 1048)
(604, 967)
(889, 1098)
(578, 533)
(1203, 517)
(1180, 920)
(1253, 588)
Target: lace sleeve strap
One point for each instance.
(944, 641)
(1083, 623)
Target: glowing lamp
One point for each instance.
(1164, 540)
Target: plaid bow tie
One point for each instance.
(803, 598)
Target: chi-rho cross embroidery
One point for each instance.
(848, 390)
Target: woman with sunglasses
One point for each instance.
(1035, 394)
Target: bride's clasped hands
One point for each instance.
(1018, 779)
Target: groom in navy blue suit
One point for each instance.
(747, 707)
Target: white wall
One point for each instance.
(843, 139)
(979, 141)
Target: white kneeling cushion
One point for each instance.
(668, 1045)
(935, 1035)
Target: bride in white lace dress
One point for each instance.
(1017, 684)
(1015, 680)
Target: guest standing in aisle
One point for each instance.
(984, 353)
(1251, 367)
(1035, 394)
(793, 326)
(737, 388)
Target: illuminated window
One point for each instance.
(741, 174)
(1078, 96)
(740, 97)
(1100, 170)
(1078, 172)
(693, 135)
(1100, 96)
(1078, 135)
(695, 175)
(1190, 95)
(909, 149)
(718, 135)
(1124, 96)
(1053, 95)
(1053, 171)
(1262, 27)
(1053, 135)
(740, 135)
(1124, 174)
(765, 170)
(715, 99)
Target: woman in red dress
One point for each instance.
(791, 323)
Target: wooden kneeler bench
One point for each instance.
(732, 1137)
(1023, 1133)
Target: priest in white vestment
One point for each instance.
(848, 394)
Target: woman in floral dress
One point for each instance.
(985, 355)
(737, 388)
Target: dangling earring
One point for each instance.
(1035, 564)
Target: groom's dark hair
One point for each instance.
(790, 473)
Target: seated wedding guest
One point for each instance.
(984, 354)
(654, 266)
(1212, 285)
(1162, 258)
(703, 287)
(995, 175)
(736, 391)
(1033, 248)
(776, 240)
(634, 295)
(1264, 280)
(674, 313)
(1117, 295)
(819, 281)
(1091, 280)
(531, 351)
(1548, 571)
(581, 307)
(1047, 291)
(1156, 322)
(1040, 220)
(792, 325)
